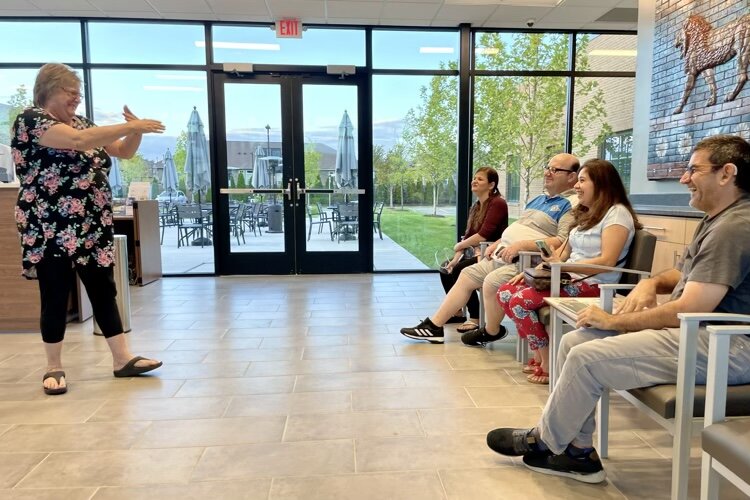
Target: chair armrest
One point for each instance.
(524, 258)
(615, 286)
(718, 370)
(723, 317)
(574, 265)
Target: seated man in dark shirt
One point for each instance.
(638, 346)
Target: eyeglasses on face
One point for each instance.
(554, 170)
(691, 169)
(73, 93)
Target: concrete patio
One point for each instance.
(388, 255)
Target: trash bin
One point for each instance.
(122, 283)
(274, 219)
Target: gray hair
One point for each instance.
(53, 76)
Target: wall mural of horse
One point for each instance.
(703, 48)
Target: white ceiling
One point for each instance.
(569, 14)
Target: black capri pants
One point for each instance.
(56, 275)
(449, 279)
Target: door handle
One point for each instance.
(300, 191)
(288, 190)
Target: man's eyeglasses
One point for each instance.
(691, 169)
(554, 170)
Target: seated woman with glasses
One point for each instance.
(603, 228)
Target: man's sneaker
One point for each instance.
(480, 337)
(426, 330)
(585, 467)
(513, 442)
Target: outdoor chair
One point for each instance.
(189, 223)
(167, 218)
(251, 218)
(347, 223)
(376, 214)
(325, 216)
(236, 216)
(322, 221)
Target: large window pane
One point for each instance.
(605, 52)
(415, 49)
(147, 43)
(169, 96)
(519, 122)
(603, 121)
(51, 42)
(259, 45)
(521, 51)
(16, 93)
(414, 164)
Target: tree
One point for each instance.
(16, 104)
(180, 153)
(430, 132)
(135, 169)
(241, 184)
(523, 117)
(312, 165)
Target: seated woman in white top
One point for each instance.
(602, 232)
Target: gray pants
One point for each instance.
(591, 361)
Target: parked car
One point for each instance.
(177, 197)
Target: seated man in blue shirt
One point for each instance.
(545, 217)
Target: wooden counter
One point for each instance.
(19, 297)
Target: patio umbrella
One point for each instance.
(197, 169)
(169, 175)
(261, 178)
(115, 178)
(346, 159)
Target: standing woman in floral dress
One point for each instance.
(64, 212)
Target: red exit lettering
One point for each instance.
(289, 28)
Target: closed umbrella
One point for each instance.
(169, 175)
(346, 159)
(115, 178)
(261, 178)
(197, 168)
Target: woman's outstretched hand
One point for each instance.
(142, 126)
(127, 114)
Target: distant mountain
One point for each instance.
(154, 146)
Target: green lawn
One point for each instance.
(422, 235)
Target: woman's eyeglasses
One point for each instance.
(73, 93)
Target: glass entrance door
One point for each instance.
(289, 169)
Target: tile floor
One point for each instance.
(291, 387)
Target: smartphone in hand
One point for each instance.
(544, 248)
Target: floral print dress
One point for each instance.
(64, 204)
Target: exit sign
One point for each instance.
(289, 28)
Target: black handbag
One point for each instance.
(541, 279)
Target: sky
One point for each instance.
(170, 95)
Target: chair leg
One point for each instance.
(602, 421)
(709, 479)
